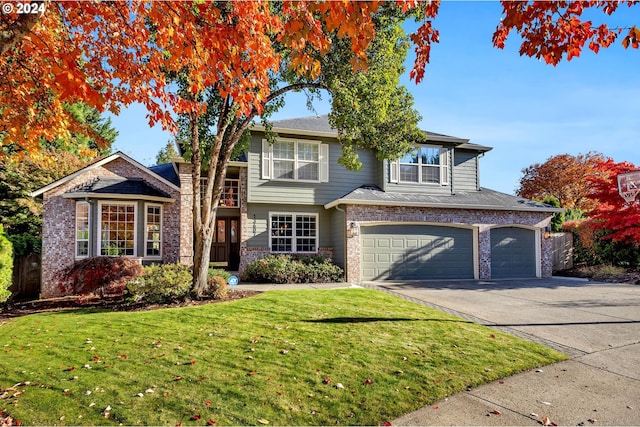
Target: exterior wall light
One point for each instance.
(353, 230)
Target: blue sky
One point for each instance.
(526, 110)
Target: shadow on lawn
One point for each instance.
(379, 319)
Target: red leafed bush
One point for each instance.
(99, 276)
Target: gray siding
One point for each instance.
(465, 171)
(258, 226)
(341, 180)
(338, 233)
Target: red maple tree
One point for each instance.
(619, 219)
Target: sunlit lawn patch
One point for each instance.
(349, 357)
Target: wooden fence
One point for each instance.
(562, 253)
(26, 277)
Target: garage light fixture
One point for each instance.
(353, 230)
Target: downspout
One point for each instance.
(453, 162)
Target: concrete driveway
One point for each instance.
(597, 324)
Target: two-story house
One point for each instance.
(424, 216)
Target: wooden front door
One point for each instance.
(225, 249)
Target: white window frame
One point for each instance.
(146, 231)
(135, 226)
(294, 238)
(322, 162)
(443, 167)
(88, 219)
(228, 183)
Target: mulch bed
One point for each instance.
(114, 303)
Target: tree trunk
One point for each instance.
(201, 261)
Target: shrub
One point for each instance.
(6, 265)
(293, 269)
(218, 272)
(162, 283)
(218, 287)
(99, 275)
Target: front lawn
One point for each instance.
(348, 357)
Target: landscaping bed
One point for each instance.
(114, 303)
(603, 273)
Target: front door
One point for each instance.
(225, 249)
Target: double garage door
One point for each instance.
(424, 252)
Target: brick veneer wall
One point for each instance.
(483, 220)
(58, 227)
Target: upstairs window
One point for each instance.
(295, 160)
(427, 164)
(230, 197)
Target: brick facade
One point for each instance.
(58, 228)
(482, 220)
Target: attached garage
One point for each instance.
(513, 253)
(417, 252)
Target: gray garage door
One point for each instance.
(513, 252)
(411, 252)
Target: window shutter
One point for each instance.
(393, 170)
(266, 159)
(324, 162)
(444, 166)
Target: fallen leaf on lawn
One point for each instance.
(96, 358)
(253, 373)
(207, 403)
(211, 423)
(284, 351)
(70, 368)
(592, 420)
(492, 336)
(148, 391)
(92, 404)
(386, 423)
(85, 367)
(196, 417)
(123, 356)
(140, 395)
(193, 362)
(165, 394)
(368, 381)
(539, 370)
(496, 412)
(545, 403)
(177, 378)
(533, 414)
(263, 421)
(339, 386)
(547, 422)
(87, 393)
(327, 380)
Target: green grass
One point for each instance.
(249, 362)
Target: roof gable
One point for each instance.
(102, 162)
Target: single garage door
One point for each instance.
(513, 252)
(416, 252)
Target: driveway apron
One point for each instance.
(596, 324)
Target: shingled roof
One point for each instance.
(118, 187)
(483, 199)
(320, 125)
